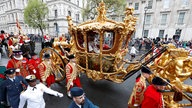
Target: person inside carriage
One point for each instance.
(93, 43)
(19, 62)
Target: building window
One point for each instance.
(185, 2)
(56, 13)
(143, 1)
(69, 13)
(146, 33)
(181, 18)
(77, 2)
(166, 4)
(161, 33)
(122, 18)
(148, 20)
(77, 16)
(163, 19)
(150, 4)
(136, 6)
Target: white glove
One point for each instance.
(34, 71)
(60, 95)
(17, 70)
(71, 83)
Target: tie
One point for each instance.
(14, 80)
(34, 88)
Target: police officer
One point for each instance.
(79, 99)
(34, 94)
(11, 88)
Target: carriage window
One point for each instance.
(80, 39)
(108, 40)
(93, 41)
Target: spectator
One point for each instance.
(133, 52)
(79, 99)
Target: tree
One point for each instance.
(35, 13)
(114, 7)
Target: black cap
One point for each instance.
(2, 31)
(67, 49)
(76, 91)
(30, 78)
(159, 81)
(32, 54)
(17, 52)
(145, 69)
(46, 55)
(10, 71)
(71, 56)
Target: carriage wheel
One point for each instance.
(58, 62)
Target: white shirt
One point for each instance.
(34, 97)
(133, 50)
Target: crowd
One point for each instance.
(145, 44)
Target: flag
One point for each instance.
(17, 24)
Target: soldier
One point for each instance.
(152, 96)
(34, 94)
(33, 65)
(19, 62)
(79, 99)
(11, 88)
(72, 77)
(139, 88)
(46, 70)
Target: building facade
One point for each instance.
(163, 18)
(10, 10)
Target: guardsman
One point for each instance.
(19, 62)
(72, 75)
(34, 94)
(46, 70)
(136, 97)
(80, 100)
(33, 65)
(153, 98)
(11, 88)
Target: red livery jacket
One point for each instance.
(72, 76)
(152, 98)
(46, 73)
(19, 64)
(136, 97)
(33, 65)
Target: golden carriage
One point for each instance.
(100, 46)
